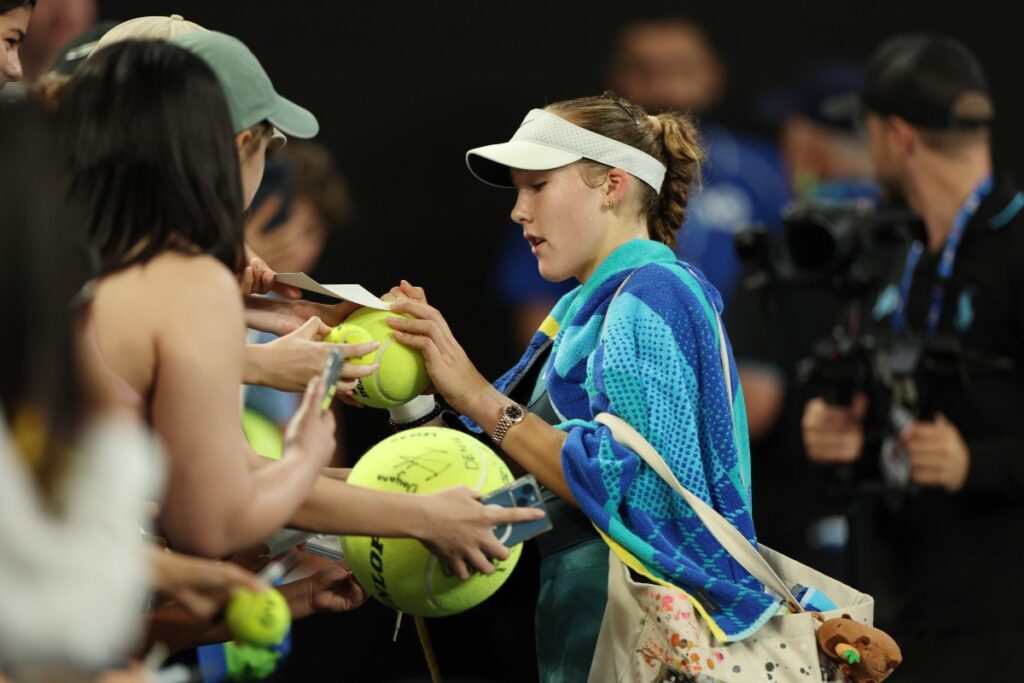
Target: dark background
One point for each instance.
(402, 90)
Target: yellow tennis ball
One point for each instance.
(259, 618)
(402, 374)
(264, 436)
(401, 572)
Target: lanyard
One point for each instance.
(945, 267)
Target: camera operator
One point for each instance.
(954, 539)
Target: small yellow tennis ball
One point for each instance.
(259, 618)
(401, 572)
(402, 374)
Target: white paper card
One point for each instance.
(357, 294)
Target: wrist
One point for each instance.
(486, 410)
(511, 415)
(327, 312)
(262, 313)
(299, 596)
(421, 516)
(254, 364)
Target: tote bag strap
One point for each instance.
(732, 541)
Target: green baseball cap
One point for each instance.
(250, 94)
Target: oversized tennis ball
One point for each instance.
(402, 374)
(401, 572)
(259, 618)
(264, 436)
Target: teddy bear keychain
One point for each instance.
(866, 654)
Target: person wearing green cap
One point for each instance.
(260, 117)
(255, 106)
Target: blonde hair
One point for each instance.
(669, 137)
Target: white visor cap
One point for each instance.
(545, 141)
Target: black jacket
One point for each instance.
(954, 557)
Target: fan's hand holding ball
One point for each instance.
(400, 374)
(455, 468)
(259, 618)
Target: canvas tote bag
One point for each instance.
(653, 632)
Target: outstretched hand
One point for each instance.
(288, 363)
(203, 587)
(335, 589)
(460, 530)
(259, 278)
(405, 290)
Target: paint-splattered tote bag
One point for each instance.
(652, 632)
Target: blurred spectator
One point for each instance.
(824, 155)
(14, 20)
(49, 87)
(76, 471)
(826, 160)
(54, 24)
(669, 64)
(315, 202)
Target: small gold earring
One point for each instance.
(611, 204)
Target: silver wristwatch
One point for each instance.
(511, 414)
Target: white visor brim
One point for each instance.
(545, 141)
(492, 164)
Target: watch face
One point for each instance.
(514, 412)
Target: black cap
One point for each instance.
(924, 78)
(814, 96)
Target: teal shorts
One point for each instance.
(570, 607)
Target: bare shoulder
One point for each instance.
(172, 291)
(189, 275)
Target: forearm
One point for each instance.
(179, 630)
(277, 492)
(281, 316)
(336, 507)
(537, 447)
(534, 444)
(299, 596)
(244, 514)
(267, 314)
